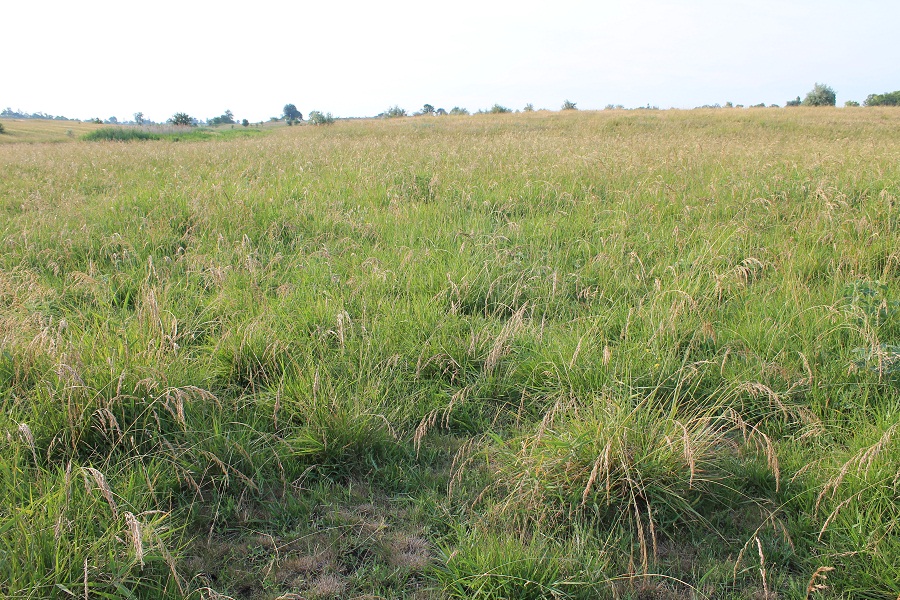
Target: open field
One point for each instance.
(40, 130)
(626, 354)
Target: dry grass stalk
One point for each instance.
(762, 570)
(510, 329)
(135, 537)
(100, 481)
(814, 584)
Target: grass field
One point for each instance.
(625, 354)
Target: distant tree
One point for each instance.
(226, 118)
(614, 107)
(497, 109)
(318, 118)
(569, 105)
(455, 111)
(440, 112)
(820, 95)
(139, 118)
(112, 121)
(851, 103)
(245, 123)
(291, 113)
(886, 99)
(427, 109)
(796, 102)
(393, 112)
(96, 121)
(181, 118)
(529, 107)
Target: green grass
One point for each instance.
(546, 355)
(175, 134)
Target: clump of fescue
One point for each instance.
(621, 461)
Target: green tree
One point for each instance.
(796, 102)
(886, 99)
(569, 105)
(227, 118)
(428, 109)
(139, 118)
(182, 119)
(291, 113)
(319, 118)
(245, 123)
(820, 95)
(393, 112)
(456, 111)
(851, 103)
(529, 107)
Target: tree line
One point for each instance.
(820, 95)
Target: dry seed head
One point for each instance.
(814, 585)
(100, 481)
(510, 329)
(135, 537)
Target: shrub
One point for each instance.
(820, 95)
(318, 118)
(886, 99)
(569, 105)
(2, 130)
(529, 107)
(796, 102)
(456, 111)
(851, 103)
(245, 123)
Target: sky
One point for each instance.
(100, 58)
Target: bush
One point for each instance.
(569, 105)
(886, 99)
(318, 118)
(529, 107)
(245, 123)
(457, 111)
(851, 103)
(796, 102)
(2, 130)
(820, 95)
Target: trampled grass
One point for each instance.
(549, 355)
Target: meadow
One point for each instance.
(618, 354)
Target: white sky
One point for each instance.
(104, 58)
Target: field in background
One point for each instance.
(40, 130)
(625, 354)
